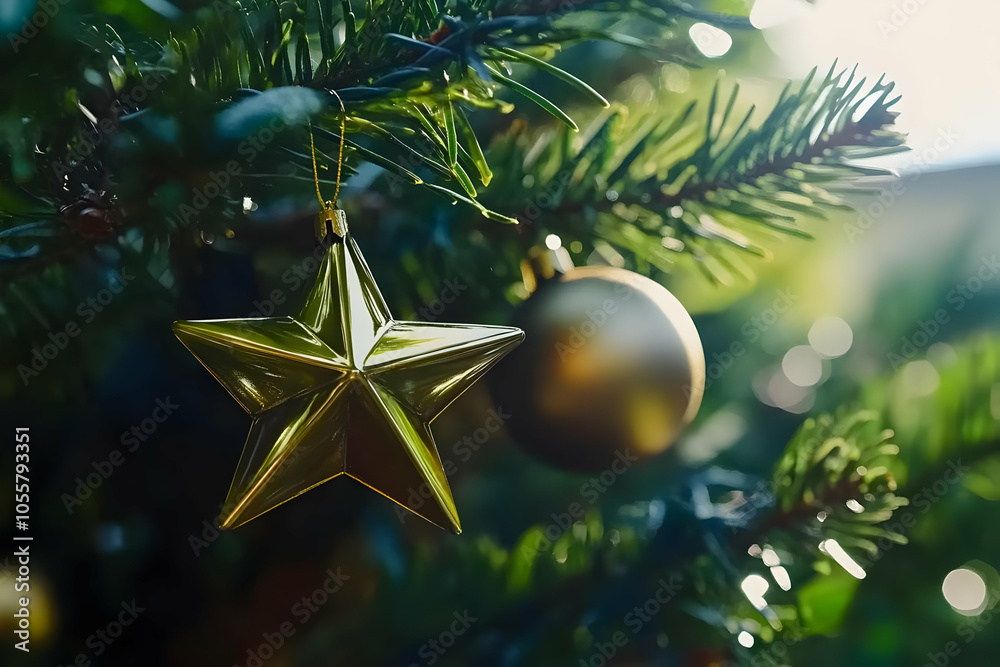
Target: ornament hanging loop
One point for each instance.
(331, 220)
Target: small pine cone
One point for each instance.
(92, 216)
(438, 35)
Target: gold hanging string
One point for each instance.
(328, 205)
(312, 148)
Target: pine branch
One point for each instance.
(171, 107)
(954, 422)
(695, 537)
(838, 467)
(391, 67)
(655, 190)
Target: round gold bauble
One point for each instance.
(612, 369)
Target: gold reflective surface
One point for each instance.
(342, 390)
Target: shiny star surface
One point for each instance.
(343, 390)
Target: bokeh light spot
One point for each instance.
(920, 378)
(965, 591)
(843, 559)
(802, 366)
(754, 587)
(831, 337)
(710, 40)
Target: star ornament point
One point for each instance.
(343, 390)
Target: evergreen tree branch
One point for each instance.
(593, 572)
(652, 187)
(391, 67)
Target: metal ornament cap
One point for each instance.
(343, 389)
(331, 221)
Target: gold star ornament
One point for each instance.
(342, 390)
